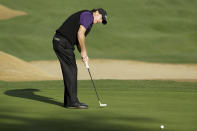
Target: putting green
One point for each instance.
(132, 105)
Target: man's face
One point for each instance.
(97, 18)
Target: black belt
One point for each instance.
(63, 40)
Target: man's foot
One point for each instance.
(77, 106)
(83, 104)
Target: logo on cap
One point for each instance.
(105, 16)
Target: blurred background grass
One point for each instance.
(146, 30)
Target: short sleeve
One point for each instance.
(86, 19)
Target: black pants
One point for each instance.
(66, 56)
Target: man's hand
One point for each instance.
(84, 56)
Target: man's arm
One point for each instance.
(81, 39)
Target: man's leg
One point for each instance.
(69, 72)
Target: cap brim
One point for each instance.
(104, 22)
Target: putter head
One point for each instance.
(102, 105)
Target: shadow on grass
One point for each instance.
(30, 94)
(86, 122)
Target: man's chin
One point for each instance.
(95, 22)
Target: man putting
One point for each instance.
(73, 32)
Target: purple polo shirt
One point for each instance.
(86, 19)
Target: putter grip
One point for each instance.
(86, 64)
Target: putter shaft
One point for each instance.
(94, 85)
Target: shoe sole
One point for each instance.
(77, 107)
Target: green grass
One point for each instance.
(145, 30)
(132, 105)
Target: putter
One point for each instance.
(101, 105)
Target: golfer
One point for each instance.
(70, 34)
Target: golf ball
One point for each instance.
(162, 126)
